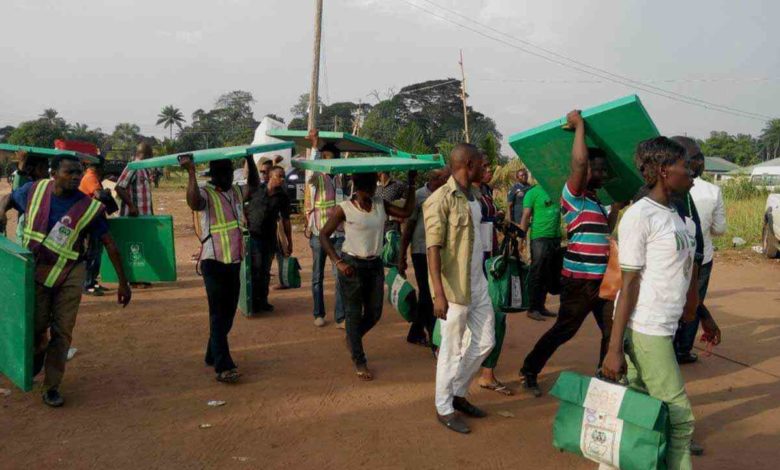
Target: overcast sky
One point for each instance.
(109, 61)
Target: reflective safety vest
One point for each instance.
(55, 250)
(326, 195)
(225, 226)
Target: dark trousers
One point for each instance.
(686, 332)
(579, 297)
(543, 270)
(223, 283)
(92, 261)
(423, 321)
(263, 252)
(363, 297)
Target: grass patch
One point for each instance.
(745, 219)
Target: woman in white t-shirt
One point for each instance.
(656, 249)
(361, 274)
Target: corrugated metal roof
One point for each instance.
(718, 165)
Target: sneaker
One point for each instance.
(530, 384)
(535, 315)
(53, 398)
(696, 449)
(95, 292)
(689, 358)
(319, 321)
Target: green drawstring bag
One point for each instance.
(507, 278)
(401, 294)
(392, 249)
(291, 272)
(609, 423)
(245, 293)
(436, 339)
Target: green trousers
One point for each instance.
(653, 368)
(492, 359)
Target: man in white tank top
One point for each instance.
(458, 285)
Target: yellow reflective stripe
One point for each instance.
(221, 226)
(66, 253)
(32, 214)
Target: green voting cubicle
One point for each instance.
(615, 127)
(147, 249)
(17, 306)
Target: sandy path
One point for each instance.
(137, 389)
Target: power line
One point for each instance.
(585, 68)
(620, 77)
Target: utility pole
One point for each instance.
(463, 98)
(314, 108)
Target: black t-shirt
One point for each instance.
(276, 205)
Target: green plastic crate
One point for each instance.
(17, 308)
(371, 164)
(615, 127)
(147, 248)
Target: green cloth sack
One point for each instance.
(436, 339)
(507, 278)
(392, 249)
(609, 423)
(291, 272)
(401, 294)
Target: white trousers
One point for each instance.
(459, 358)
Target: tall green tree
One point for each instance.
(741, 149)
(50, 115)
(410, 138)
(39, 133)
(337, 117)
(769, 141)
(230, 122)
(169, 117)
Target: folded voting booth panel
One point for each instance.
(371, 164)
(615, 127)
(147, 249)
(245, 294)
(17, 306)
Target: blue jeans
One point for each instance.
(686, 332)
(319, 257)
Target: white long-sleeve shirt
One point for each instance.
(712, 213)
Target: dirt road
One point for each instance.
(137, 389)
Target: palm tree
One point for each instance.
(49, 114)
(770, 139)
(169, 117)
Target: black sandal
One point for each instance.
(228, 376)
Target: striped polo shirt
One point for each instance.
(588, 232)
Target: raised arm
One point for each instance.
(253, 178)
(578, 178)
(195, 201)
(406, 210)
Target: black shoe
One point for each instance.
(696, 449)
(454, 422)
(266, 307)
(530, 384)
(534, 315)
(53, 398)
(689, 358)
(463, 405)
(547, 313)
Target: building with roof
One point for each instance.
(720, 169)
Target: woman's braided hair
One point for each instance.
(654, 154)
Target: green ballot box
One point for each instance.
(245, 294)
(17, 307)
(147, 248)
(615, 127)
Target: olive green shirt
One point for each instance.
(448, 225)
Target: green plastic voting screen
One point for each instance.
(147, 249)
(343, 141)
(17, 306)
(615, 127)
(245, 293)
(203, 156)
(47, 152)
(370, 164)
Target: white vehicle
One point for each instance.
(766, 175)
(771, 232)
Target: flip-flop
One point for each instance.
(228, 376)
(499, 388)
(364, 375)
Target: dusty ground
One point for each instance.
(137, 388)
